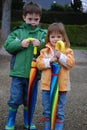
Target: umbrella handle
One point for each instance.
(35, 48)
(29, 39)
(60, 46)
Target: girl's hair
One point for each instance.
(31, 7)
(58, 28)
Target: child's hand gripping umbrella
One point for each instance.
(54, 86)
(32, 88)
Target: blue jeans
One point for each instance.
(46, 104)
(18, 91)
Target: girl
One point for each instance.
(48, 55)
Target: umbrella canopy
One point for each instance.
(54, 93)
(32, 87)
(54, 86)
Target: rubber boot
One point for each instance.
(11, 119)
(32, 126)
(58, 125)
(47, 124)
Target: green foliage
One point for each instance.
(56, 7)
(17, 4)
(79, 47)
(65, 17)
(16, 15)
(77, 5)
(77, 34)
(15, 24)
(68, 8)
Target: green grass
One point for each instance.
(79, 47)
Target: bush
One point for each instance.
(15, 24)
(65, 17)
(76, 33)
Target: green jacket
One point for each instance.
(22, 57)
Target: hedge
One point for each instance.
(49, 17)
(65, 17)
(77, 33)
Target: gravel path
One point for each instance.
(76, 107)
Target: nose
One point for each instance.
(56, 39)
(33, 21)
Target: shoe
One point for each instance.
(47, 124)
(26, 125)
(58, 125)
(32, 127)
(11, 119)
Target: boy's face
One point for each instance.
(33, 19)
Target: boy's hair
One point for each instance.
(58, 28)
(31, 7)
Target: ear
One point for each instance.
(23, 17)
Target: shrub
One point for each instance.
(76, 33)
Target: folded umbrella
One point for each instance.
(54, 86)
(32, 87)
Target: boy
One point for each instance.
(22, 54)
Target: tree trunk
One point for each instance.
(6, 18)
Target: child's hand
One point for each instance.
(36, 42)
(25, 43)
(57, 54)
(54, 59)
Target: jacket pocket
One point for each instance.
(12, 62)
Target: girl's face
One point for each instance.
(33, 19)
(54, 37)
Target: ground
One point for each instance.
(76, 106)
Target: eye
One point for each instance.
(52, 36)
(36, 19)
(30, 19)
(59, 36)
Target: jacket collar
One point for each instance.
(30, 28)
(49, 45)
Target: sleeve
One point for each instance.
(67, 59)
(43, 62)
(47, 62)
(12, 44)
